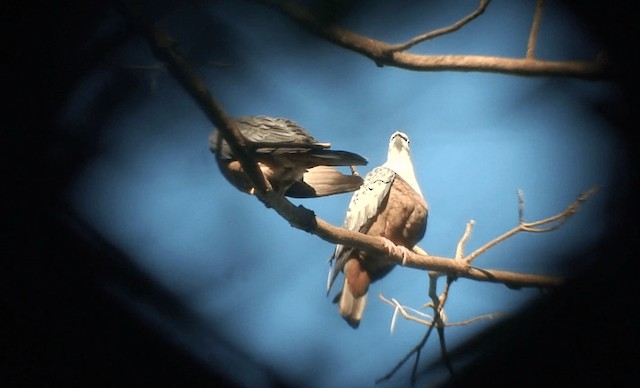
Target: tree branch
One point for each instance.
(166, 50)
(534, 227)
(535, 26)
(439, 319)
(464, 239)
(384, 54)
(442, 31)
(415, 350)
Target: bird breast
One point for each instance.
(402, 218)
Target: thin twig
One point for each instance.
(437, 303)
(440, 323)
(441, 31)
(406, 358)
(464, 239)
(534, 227)
(475, 319)
(403, 311)
(535, 26)
(406, 311)
(417, 350)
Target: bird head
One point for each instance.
(399, 146)
(399, 159)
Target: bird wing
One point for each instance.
(287, 153)
(362, 211)
(279, 136)
(265, 129)
(321, 181)
(267, 135)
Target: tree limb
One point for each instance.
(535, 26)
(534, 227)
(384, 54)
(442, 31)
(166, 50)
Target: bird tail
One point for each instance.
(321, 181)
(337, 158)
(351, 306)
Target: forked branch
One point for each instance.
(395, 55)
(411, 314)
(441, 31)
(541, 226)
(438, 320)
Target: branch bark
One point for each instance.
(385, 54)
(442, 31)
(166, 50)
(535, 27)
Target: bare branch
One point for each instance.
(493, 243)
(304, 219)
(166, 50)
(438, 322)
(475, 319)
(562, 217)
(534, 227)
(384, 54)
(535, 26)
(403, 311)
(437, 302)
(441, 31)
(416, 350)
(512, 279)
(426, 319)
(464, 239)
(439, 319)
(419, 317)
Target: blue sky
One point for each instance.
(156, 192)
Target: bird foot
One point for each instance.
(396, 250)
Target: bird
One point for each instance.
(389, 204)
(293, 161)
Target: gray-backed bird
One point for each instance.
(293, 161)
